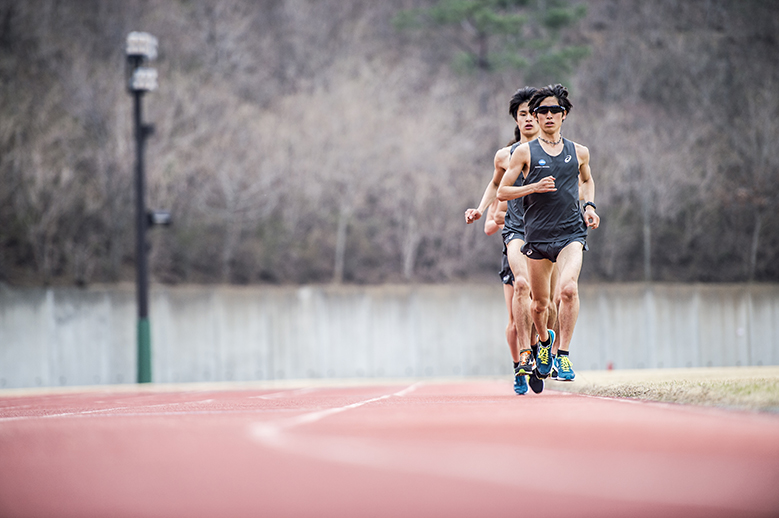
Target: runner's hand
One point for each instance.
(545, 185)
(591, 218)
(472, 215)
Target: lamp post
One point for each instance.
(141, 47)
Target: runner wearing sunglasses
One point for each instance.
(515, 283)
(514, 268)
(555, 228)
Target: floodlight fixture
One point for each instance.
(141, 45)
(144, 79)
(159, 218)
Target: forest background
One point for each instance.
(315, 141)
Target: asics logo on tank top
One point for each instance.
(567, 158)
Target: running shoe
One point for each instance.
(520, 382)
(565, 370)
(555, 367)
(544, 359)
(525, 362)
(536, 384)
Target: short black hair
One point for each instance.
(558, 91)
(521, 96)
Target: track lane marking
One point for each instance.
(271, 431)
(278, 395)
(102, 411)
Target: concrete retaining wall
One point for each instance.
(70, 336)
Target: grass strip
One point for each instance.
(755, 389)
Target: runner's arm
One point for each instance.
(490, 223)
(500, 213)
(519, 160)
(491, 190)
(587, 187)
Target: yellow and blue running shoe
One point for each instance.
(555, 367)
(544, 357)
(565, 369)
(520, 382)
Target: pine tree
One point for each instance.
(490, 35)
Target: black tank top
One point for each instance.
(514, 221)
(553, 216)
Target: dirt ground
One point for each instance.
(744, 388)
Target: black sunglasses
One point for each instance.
(543, 110)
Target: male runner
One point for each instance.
(526, 129)
(555, 228)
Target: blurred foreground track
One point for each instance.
(417, 448)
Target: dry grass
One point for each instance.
(745, 388)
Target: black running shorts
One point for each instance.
(506, 275)
(551, 250)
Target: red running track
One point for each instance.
(427, 449)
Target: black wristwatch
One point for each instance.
(584, 207)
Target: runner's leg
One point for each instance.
(511, 328)
(521, 299)
(539, 275)
(553, 322)
(569, 263)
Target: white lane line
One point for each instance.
(407, 390)
(14, 406)
(63, 414)
(277, 395)
(144, 414)
(100, 411)
(607, 398)
(271, 432)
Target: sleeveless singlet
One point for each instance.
(553, 216)
(514, 220)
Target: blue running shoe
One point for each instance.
(536, 384)
(520, 382)
(544, 358)
(555, 367)
(565, 370)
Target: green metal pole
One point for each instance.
(142, 275)
(144, 351)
